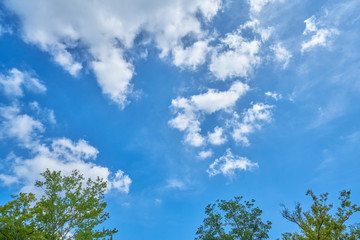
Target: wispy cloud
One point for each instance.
(229, 163)
(274, 95)
(282, 55)
(251, 119)
(320, 37)
(14, 82)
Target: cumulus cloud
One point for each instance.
(229, 163)
(252, 119)
(13, 83)
(120, 182)
(114, 74)
(320, 37)
(240, 58)
(205, 154)
(105, 30)
(21, 127)
(216, 137)
(62, 155)
(59, 154)
(189, 110)
(191, 56)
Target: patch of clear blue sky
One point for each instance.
(312, 143)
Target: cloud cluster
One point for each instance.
(106, 30)
(101, 35)
(60, 154)
(236, 55)
(238, 60)
(190, 110)
(252, 119)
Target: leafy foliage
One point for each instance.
(70, 208)
(320, 223)
(230, 220)
(17, 218)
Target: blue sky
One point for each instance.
(179, 103)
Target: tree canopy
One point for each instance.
(322, 221)
(230, 220)
(70, 208)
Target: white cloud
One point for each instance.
(214, 100)
(274, 95)
(191, 56)
(281, 54)
(228, 164)
(320, 37)
(114, 75)
(44, 114)
(64, 148)
(257, 5)
(8, 180)
(104, 30)
(62, 155)
(13, 83)
(205, 154)
(217, 137)
(239, 60)
(255, 25)
(175, 183)
(121, 182)
(194, 138)
(59, 154)
(189, 110)
(310, 25)
(22, 127)
(252, 119)
(64, 58)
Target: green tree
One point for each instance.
(230, 220)
(70, 208)
(322, 222)
(17, 218)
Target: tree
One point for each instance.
(70, 208)
(230, 220)
(320, 223)
(17, 218)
